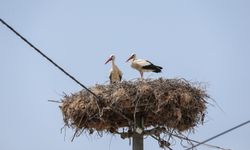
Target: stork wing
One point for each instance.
(142, 62)
(152, 67)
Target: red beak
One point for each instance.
(108, 60)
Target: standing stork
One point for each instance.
(143, 65)
(115, 74)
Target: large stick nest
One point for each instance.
(170, 103)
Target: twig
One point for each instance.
(54, 101)
(74, 135)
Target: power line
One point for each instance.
(197, 142)
(49, 59)
(220, 134)
(65, 72)
(97, 98)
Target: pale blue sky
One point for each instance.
(206, 41)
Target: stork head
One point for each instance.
(112, 57)
(132, 57)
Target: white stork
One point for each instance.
(115, 74)
(143, 65)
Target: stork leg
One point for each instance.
(141, 74)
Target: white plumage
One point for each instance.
(115, 74)
(143, 65)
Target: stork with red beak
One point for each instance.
(115, 74)
(143, 65)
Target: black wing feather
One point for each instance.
(152, 67)
(110, 78)
(120, 76)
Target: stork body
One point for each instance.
(115, 74)
(143, 65)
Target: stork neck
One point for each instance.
(113, 63)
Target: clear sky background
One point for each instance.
(206, 41)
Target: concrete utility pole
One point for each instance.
(138, 135)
